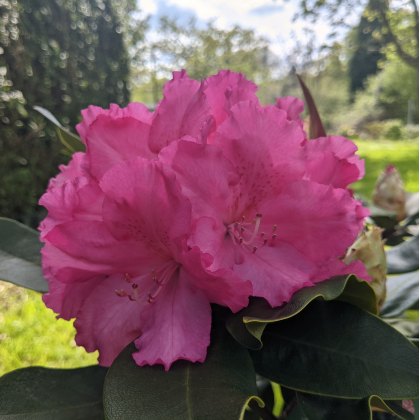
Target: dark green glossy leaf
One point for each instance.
(336, 349)
(404, 257)
(406, 327)
(219, 388)
(38, 393)
(316, 128)
(248, 325)
(69, 140)
(20, 255)
(412, 204)
(314, 407)
(402, 294)
(383, 218)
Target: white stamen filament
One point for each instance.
(258, 218)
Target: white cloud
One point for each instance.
(273, 20)
(269, 18)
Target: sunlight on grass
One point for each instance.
(380, 153)
(30, 334)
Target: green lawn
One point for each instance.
(30, 334)
(379, 153)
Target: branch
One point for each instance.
(411, 60)
(416, 20)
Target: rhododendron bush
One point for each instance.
(205, 242)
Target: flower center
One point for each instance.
(247, 233)
(160, 277)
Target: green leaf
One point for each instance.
(220, 388)
(20, 255)
(69, 140)
(248, 325)
(406, 327)
(336, 349)
(402, 294)
(404, 257)
(314, 407)
(316, 128)
(38, 393)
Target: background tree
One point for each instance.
(62, 55)
(338, 11)
(368, 41)
(203, 50)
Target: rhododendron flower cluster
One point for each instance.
(211, 198)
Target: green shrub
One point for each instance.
(388, 129)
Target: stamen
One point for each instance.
(152, 296)
(127, 278)
(258, 218)
(165, 275)
(120, 292)
(248, 235)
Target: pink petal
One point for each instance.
(332, 161)
(114, 137)
(108, 322)
(276, 273)
(67, 299)
(265, 149)
(220, 286)
(90, 246)
(91, 113)
(206, 176)
(144, 202)
(176, 326)
(224, 90)
(183, 111)
(336, 267)
(293, 107)
(74, 199)
(307, 213)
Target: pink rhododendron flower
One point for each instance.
(129, 275)
(262, 210)
(211, 198)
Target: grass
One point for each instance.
(379, 153)
(30, 334)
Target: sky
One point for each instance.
(272, 19)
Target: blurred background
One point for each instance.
(358, 57)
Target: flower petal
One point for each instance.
(92, 247)
(183, 111)
(332, 161)
(276, 273)
(265, 149)
(293, 107)
(224, 90)
(317, 220)
(206, 176)
(220, 286)
(66, 299)
(114, 137)
(91, 113)
(108, 322)
(176, 326)
(144, 203)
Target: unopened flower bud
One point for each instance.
(369, 249)
(389, 192)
